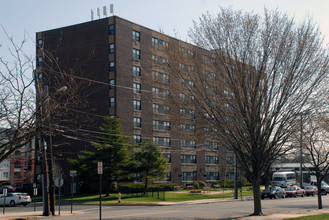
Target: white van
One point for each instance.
(284, 178)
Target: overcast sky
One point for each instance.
(171, 16)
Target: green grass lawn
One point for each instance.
(170, 196)
(311, 217)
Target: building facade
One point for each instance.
(117, 63)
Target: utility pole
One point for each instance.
(51, 175)
(235, 177)
(45, 189)
(301, 152)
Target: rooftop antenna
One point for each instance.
(104, 11)
(98, 13)
(92, 15)
(111, 9)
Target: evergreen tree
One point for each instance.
(111, 148)
(149, 162)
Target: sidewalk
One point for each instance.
(35, 215)
(283, 215)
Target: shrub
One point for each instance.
(202, 184)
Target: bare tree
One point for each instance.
(29, 108)
(248, 82)
(17, 101)
(315, 142)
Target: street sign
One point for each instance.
(35, 191)
(59, 182)
(73, 173)
(4, 191)
(100, 168)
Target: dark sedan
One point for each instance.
(273, 192)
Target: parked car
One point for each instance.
(13, 199)
(295, 191)
(310, 190)
(25, 187)
(273, 192)
(8, 187)
(324, 187)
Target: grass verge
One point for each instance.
(170, 196)
(312, 217)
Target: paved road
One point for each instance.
(228, 209)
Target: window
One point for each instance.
(137, 123)
(168, 176)
(159, 43)
(211, 145)
(111, 29)
(212, 176)
(161, 125)
(162, 77)
(211, 160)
(112, 84)
(17, 175)
(111, 48)
(137, 105)
(136, 35)
(136, 54)
(185, 68)
(136, 71)
(137, 87)
(6, 174)
(187, 127)
(160, 109)
(155, 59)
(112, 66)
(188, 158)
(187, 143)
(137, 138)
(230, 160)
(187, 113)
(188, 176)
(40, 42)
(160, 93)
(168, 156)
(112, 102)
(17, 164)
(162, 141)
(164, 61)
(155, 41)
(40, 60)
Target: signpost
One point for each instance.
(73, 174)
(59, 183)
(100, 172)
(4, 199)
(35, 193)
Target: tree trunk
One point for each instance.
(318, 182)
(107, 189)
(257, 201)
(146, 181)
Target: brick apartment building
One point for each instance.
(113, 57)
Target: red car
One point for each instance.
(311, 190)
(295, 191)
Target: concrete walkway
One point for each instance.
(283, 215)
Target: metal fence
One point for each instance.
(140, 192)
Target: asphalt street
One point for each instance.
(206, 209)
